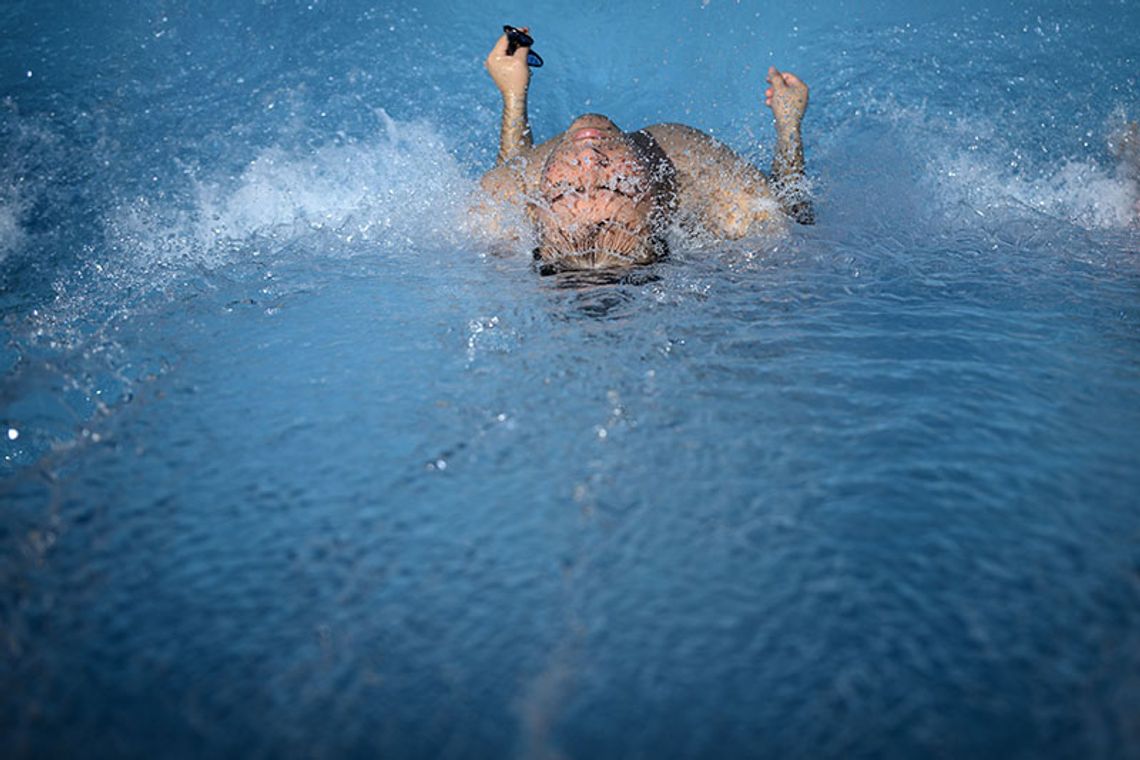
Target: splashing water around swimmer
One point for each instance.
(298, 461)
(601, 198)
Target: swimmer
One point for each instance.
(597, 197)
(1125, 145)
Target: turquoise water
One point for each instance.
(294, 468)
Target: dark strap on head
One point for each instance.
(662, 173)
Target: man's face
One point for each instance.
(597, 200)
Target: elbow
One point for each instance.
(794, 197)
(802, 213)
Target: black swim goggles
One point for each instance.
(517, 38)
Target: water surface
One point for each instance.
(293, 467)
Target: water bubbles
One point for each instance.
(482, 333)
(13, 434)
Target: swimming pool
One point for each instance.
(294, 468)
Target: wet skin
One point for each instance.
(599, 197)
(599, 202)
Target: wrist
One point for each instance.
(788, 130)
(514, 99)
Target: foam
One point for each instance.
(1079, 191)
(28, 153)
(970, 162)
(1124, 143)
(12, 233)
(400, 189)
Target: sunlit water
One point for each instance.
(291, 467)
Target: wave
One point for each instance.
(1083, 191)
(395, 194)
(31, 154)
(400, 189)
(12, 233)
(966, 167)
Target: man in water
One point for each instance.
(597, 197)
(1124, 143)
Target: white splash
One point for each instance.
(400, 189)
(403, 185)
(12, 233)
(1081, 192)
(970, 161)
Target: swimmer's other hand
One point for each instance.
(509, 72)
(787, 96)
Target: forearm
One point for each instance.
(788, 163)
(788, 175)
(514, 132)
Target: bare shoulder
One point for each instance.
(1124, 142)
(518, 178)
(499, 212)
(502, 182)
(673, 137)
(717, 186)
(692, 150)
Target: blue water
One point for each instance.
(291, 467)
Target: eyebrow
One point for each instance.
(582, 189)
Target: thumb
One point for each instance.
(775, 78)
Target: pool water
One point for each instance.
(291, 466)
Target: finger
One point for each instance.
(524, 30)
(500, 46)
(774, 77)
(791, 79)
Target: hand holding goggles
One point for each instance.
(517, 38)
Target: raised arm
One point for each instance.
(787, 96)
(512, 76)
(726, 193)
